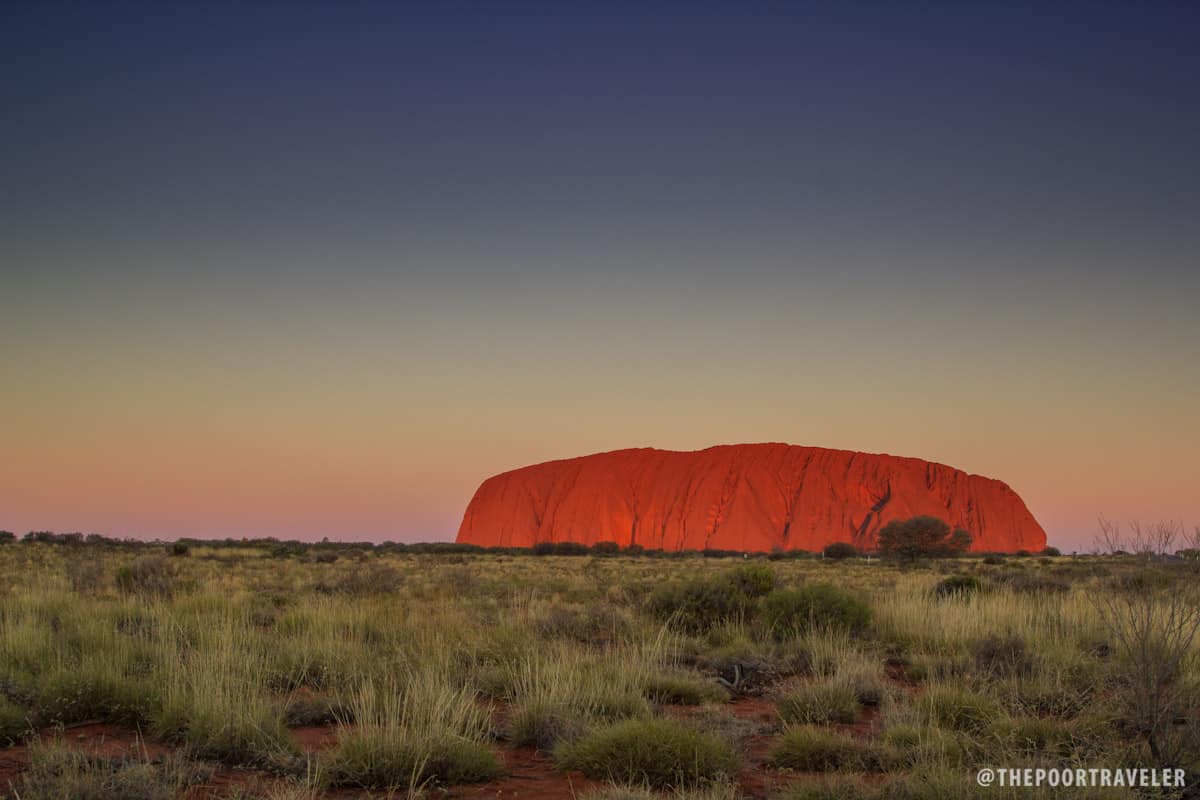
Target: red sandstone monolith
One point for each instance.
(749, 497)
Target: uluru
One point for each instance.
(744, 497)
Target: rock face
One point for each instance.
(750, 497)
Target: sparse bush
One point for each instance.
(7, 536)
(659, 753)
(606, 549)
(958, 586)
(786, 612)
(178, 549)
(13, 722)
(753, 580)
(1053, 552)
(1155, 630)
(840, 550)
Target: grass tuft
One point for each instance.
(659, 753)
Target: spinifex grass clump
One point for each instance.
(215, 699)
(681, 688)
(556, 693)
(807, 748)
(699, 604)
(655, 752)
(60, 773)
(412, 732)
(958, 587)
(957, 708)
(820, 703)
(789, 612)
(559, 651)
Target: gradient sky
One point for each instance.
(318, 269)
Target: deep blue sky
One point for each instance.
(527, 230)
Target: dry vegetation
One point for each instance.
(307, 673)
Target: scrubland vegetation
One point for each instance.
(290, 672)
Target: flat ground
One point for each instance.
(237, 672)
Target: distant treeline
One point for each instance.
(282, 548)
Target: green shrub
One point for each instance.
(840, 550)
(1053, 552)
(177, 549)
(958, 586)
(13, 722)
(786, 612)
(656, 752)
(752, 580)
(698, 605)
(809, 749)
(922, 537)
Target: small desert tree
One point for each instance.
(1155, 623)
(1157, 538)
(922, 537)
